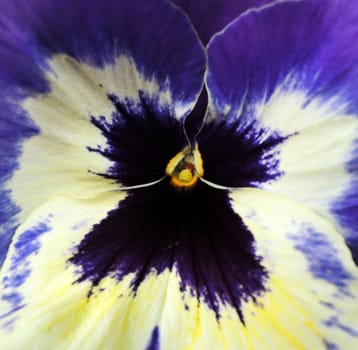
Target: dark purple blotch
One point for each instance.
(161, 227)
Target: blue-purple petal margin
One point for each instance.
(310, 41)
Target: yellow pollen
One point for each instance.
(185, 175)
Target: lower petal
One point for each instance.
(309, 299)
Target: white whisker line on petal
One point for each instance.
(125, 188)
(242, 103)
(217, 186)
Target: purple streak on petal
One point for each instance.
(330, 346)
(154, 340)
(12, 134)
(307, 44)
(155, 34)
(27, 244)
(20, 77)
(334, 322)
(211, 16)
(325, 265)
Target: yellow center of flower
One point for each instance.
(186, 167)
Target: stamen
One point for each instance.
(186, 167)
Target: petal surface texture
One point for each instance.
(290, 81)
(72, 72)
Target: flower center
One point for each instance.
(185, 167)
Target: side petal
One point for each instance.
(211, 16)
(70, 74)
(290, 74)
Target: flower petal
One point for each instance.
(211, 16)
(313, 286)
(290, 75)
(69, 75)
(309, 299)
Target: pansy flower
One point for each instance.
(166, 187)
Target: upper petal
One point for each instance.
(289, 71)
(65, 66)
